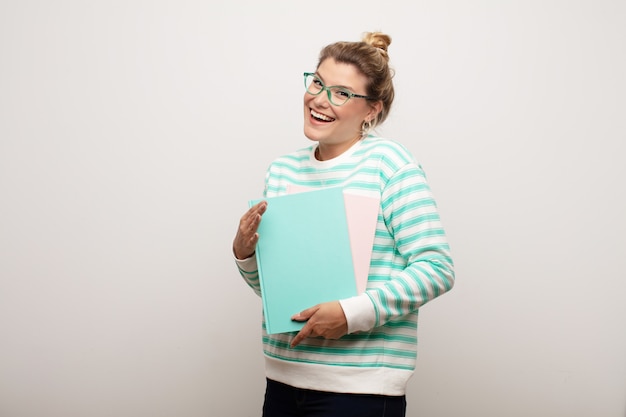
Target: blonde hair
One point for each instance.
(370, 56)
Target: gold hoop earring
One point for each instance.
(365, 127)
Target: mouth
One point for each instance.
(321, 117)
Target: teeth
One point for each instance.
(321, 116)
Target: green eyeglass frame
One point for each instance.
(330, 90)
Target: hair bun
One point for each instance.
(377, 40)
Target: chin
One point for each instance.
(311, 135)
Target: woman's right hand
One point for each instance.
(246, 238)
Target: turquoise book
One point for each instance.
(303, 255)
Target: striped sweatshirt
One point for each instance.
(410, 265)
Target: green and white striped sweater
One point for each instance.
(410, 265)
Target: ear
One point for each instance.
(375, 108)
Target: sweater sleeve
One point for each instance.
(359, 312)
(424, 268)
(249, 272)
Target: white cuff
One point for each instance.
(359, 312)
(248, 264)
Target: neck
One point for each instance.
(324, 152)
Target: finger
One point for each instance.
(244, 244)
(299, 317)
(258, 208)
(255, 222)
(249, 217)
(305, 314)
(246, 238)
(252, 219)
(302, 334)
(253, 241)
(248, 225)
(261, 206)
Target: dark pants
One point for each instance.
(286, 401)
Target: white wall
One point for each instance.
(133, 133)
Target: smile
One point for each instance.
(320, 116)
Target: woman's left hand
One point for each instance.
(326, 320)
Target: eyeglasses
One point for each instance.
(338, 96)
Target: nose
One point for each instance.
(323, 98)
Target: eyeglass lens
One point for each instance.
(315, 86)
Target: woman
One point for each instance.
(353, 357)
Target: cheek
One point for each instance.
(306, 99)
(346, 116)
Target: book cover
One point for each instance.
(362, 216)
(303, 255)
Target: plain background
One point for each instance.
(133, 133)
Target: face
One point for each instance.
(337, 128)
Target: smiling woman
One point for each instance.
(336, 127)
(354, 356)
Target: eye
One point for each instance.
(317, 82)
(341, 93)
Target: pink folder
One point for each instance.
(361, 216)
